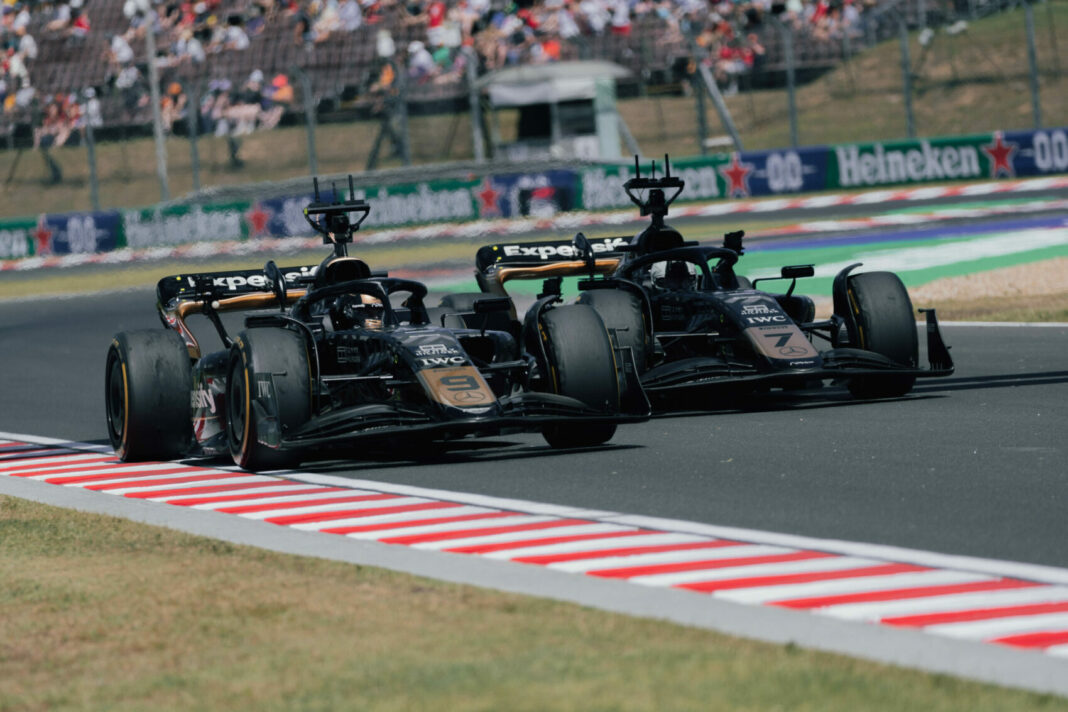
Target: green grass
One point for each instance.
(971, 83)
(104, 614)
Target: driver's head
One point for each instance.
(350, 311)
(674, 275)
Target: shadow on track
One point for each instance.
(1006, 380)
(444, 453)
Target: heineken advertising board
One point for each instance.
(544, 193)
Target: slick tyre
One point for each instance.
(885, 325)
(269, 374)
(581, 366)
(623, 312)
(147, 385)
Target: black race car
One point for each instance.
(333, 356)
(690, 321)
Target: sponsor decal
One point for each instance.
(436, 350)
(751, 309)
(151, 228)
(803, 364)
(548, 251)
(737, 176)
(441, 361)
(202, 399)
(14, 243)
(878, 165)
(778, 342)
(1000, 154)
(458, 387)
(263, 387)
(770, 319)
(348, 354)
(421, 203)
(1049, 151)
(235, 282)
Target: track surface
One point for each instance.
(971, 465)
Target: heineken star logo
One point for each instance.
(42, 237)
(487, 198)
(257, 219)
(737, 175)
(1000, 154)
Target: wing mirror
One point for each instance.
(791, 272)
(798, 271)
(277, 281)
(584, 248)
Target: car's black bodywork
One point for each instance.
(696, 323)
(332, 356)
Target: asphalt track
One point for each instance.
(972, 464)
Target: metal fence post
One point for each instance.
(791, 79)
(474, 99)
(309, 118)
(192, 119)
(1032, 61)
(153, 91)
(906, 75)
(702, 119)
(90, 145)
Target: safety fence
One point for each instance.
(465, 194)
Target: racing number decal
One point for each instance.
(781, 343)
(457, 387)
(460, 383)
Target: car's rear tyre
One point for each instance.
(886, 325)
(622, 311)
(582, 366)
(147, 387)
(284, 355)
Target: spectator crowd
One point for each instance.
(434, 42)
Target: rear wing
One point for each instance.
(209, 286)
(525, 254)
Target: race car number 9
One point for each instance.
(457, 387)
(460, 383)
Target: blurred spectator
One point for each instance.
(61, 17)
(245, 105)
(79, 26)
(350, 15)
(91, 113)
(134, 93)
(276, 99)
(234, 37)
(421, 64)
(172, 106)
(27, 46)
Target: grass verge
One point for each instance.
(104, 614)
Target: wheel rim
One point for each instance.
(116, 400)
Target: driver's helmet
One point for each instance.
(350, 311)
(674, 275)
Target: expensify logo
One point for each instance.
(546, 252)
(235, 282)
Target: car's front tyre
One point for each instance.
(886, 325)
(582, 367)
(278, 358)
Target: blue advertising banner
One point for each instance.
(1035, 153)
(78, 233)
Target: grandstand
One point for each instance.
(657, 40)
